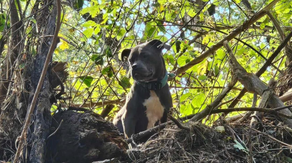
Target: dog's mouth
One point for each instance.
(143, 76)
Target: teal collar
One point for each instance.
(155, 85)
(164, 80)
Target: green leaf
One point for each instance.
(87, 80)
(184, 97)
(89, 23)
(198, 100)
(240, 146)
(99, 60)
(88, 32)
(202, 77)
(288, 159)
(92, 10)
(121, 32)
(93, 57)
(125, 82)
(78, 4)
(183, 60)
(107, 71)
(216, 70)
(220, 54)
(54, 108)
(150, 29)
(2, 21)
(263, 25)
(108, 52)
(150, 32)
(161, 27)
(237, 1)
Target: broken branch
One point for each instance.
(253, 84)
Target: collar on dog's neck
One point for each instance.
(155, 85)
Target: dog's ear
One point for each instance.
(158, 44)
(125, 54)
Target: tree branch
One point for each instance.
(282, 36)
(263, 69)
(238, 30)
(91, 104)
(253, 84)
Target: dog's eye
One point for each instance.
(144, 56)
(131, 60)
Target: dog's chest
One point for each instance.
(154, 109)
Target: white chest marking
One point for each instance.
(154, 109)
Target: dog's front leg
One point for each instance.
(129, 124)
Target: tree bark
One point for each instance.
(42, 116)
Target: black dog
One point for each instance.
(149, 100)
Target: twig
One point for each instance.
(246, 44)
(55, 130)
(106, 110)
(267, 110)
(39, 86)
(148, 132)
(228, 110)
(79, 109)
(273, 138)
(107, 102)
(204, 87)
(281, 108)
(240, 8)
(179, 125)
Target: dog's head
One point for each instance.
(146, 61)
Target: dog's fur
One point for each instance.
(145, 106)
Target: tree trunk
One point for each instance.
(16, 103)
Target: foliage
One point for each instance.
(94, 32)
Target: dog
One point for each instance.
(149, 99)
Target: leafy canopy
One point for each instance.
(94, 33)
